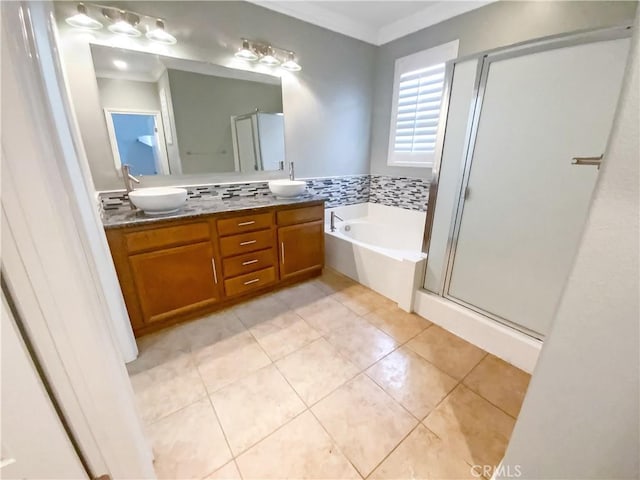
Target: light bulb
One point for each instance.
(269, 59)
(83, 20)
(291, 63)
(125, 27)
(160, 35)
(245, 52)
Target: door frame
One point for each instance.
(255, 135)
(484, 61)
(49, 259)
(160, 136)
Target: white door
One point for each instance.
(526, 203)
(34, 442)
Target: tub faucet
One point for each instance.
(333, 220)
(128, 178)
(291, 174)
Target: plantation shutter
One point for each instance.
(418, 89)
(419, 101)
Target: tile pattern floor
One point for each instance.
(327, 380)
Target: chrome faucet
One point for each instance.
(128, 178)
(333, 220)
(291, 174)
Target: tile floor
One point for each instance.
(326, 380)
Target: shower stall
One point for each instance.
(526, 128)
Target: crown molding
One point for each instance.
(427, 17)
(339, 23)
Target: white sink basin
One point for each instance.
(159, 200)
(287, 188)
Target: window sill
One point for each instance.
(410, 164)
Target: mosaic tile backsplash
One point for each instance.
(409, 193)
(403, 192)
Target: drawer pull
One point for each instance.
(249, 282)
(249, 262)
(282, 251)
(244, 224)
(248, 242)
(215, 273)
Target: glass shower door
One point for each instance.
(524, 203)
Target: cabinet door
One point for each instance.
(301, 248)
(176, 280)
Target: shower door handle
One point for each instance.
(595, 161)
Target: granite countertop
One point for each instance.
(195, 207)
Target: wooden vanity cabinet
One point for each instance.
(175, 281)
(174, 270)
(300, 240)
(166, 271)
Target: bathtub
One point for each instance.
(379, 247)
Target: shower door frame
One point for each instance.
(484, 60)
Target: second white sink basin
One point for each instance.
(159, 200)
(287, 188)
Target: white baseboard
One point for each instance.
(506, 343)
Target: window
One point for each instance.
(417, 97)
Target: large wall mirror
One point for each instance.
(168, 116)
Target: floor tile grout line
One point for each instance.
(393, 450)
(280, 427)
(224, 434)
(199, 399)
(333, 440)
(458, 383)
(287, 421)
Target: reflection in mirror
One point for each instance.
(167, 116)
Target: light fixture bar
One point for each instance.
(123, 22)
(268, 55)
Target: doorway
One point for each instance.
(137, 140)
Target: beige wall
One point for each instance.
(498, 24)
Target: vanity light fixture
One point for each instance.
(83, 20)
(246, 53)
(160, 35)
(122, 22)
(291, 63)
(269, 59)
(267, 54)
(125, 23)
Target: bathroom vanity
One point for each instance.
(204, 259)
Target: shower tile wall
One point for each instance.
(408, 193)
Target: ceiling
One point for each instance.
(376, 22)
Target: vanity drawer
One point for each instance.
(250, 281)
(249, 262)
(247, 223)
(300, 215)
(247, 242)
(156, 238)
